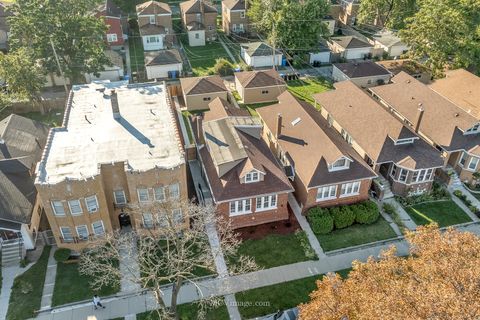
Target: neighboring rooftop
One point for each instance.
(311, 144)
(195, 26)
(151, 29)
(109, 8)
(406, 65)
(462, 88)
(350, 42)
(254, 49)
(260, 78)
(114, 57)
(374, 129)
(163, 57)
(153, 7)
(442, 121)
(112, 122)
(195, 6)
(387, 38)
(235, 4)
(361, 69)
(202, 85)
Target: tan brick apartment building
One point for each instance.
(234, 17)
(439, 121)
(119, 145)
(199, 18)
(248, 185)
(326, 171)
(259, 86)
(391, 148)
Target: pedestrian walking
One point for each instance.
(97, 302)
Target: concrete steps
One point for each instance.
(11, 253)
(387, 192)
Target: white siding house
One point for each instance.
(259, 54)
(163, 64)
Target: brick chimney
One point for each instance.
(278, 132)
(420, 112)
(114, 103)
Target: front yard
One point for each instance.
(356, 234)
(266, 300)
(190, 311)
(203, 58)
(445, 213)
(306, 87)
(71, 286)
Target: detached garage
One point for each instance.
(163, 64)
(350, 47)
(260, 54)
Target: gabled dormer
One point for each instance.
(402, 141)
(473, 130)
(342, 163)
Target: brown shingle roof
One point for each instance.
(151, 29)
(153, 7)
(234, 4)
(311, 144)
(220, 108)
(442, 121)
(374, 129)
(194, 6)
(361, 69)
(201, 85)
(261, 78)
(350, 42)
(462, 88)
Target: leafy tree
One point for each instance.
(439, 280)
(445, 33)
(77, 35)
(21, 74)
(223, 67)
(290, 24)
(386, 13)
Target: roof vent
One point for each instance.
(456, 115)
(296, 121)
(408, 81)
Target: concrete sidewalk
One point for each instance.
(49, 284)
(8, 276)
(407, 220)
(459, 202)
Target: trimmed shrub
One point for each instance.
(320, 220)
(342, 216)
(307, 249)
(223, 67)
(367, 212)
(62, 254)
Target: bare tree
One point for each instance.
(170, 246)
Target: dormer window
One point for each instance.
(404, 141)
(341, 164)
(152, 19)
(474, 129)
(252, 176)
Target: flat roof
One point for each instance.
(140, 130)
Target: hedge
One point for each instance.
(343, 216)
(320, 220)
(62, 254)
(367, 213)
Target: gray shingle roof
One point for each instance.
(350, 42)
(157, 58)
(259, 49)
(361, 69)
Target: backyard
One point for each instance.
(304, 88)
(203, 58)
(445, 213)
(53, 118)
(27, 290)
(252, 108)
(356, 234)
(135, 47)
(270, 299)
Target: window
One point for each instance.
(166, 30)
(346, 136)
(112, 37)
(210, 28)
(75, 207)
(152, 19)
(58, 208)
(91, 203)
(242, 14)
(403, 175)
(199, 17)
(266, 202)
(340, 164)
(98, 228)
(234, 27)
(119, 197)
(153, 39)
(463, 159)
(422, 175)
(404, 141)
(325, 193)
(264, 91)
(240, 207)
(174, 191)
(394, 171)
(82, 232)
(66, 234)
(197, 35)
(162, 220)
(207, 98)
(159, 193)
(147, 220)
(142, 195)
(178, 216)
(252, 177)
(350, 189)
(330, 120)
(473, 163)
(474, 129)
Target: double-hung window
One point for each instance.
(463, 159)
(75, 207)
(350, 189)
(147, 220)
(152, 19)
(402, 177)
(394, 171)
(473, 163)
(143, 195)
(66, 234)
(240, 207)
(252, 177)
(58, 208)
(159, 193)
(119, 197)
(91, 203)
(266, 202)
(174, 191)
(98, 228)
(177, 215)
(82, 232)
(112, 37)
(325, 193)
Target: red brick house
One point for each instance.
(247, 183)
(114, 19)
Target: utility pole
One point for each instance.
(274, 45)
(59, 68)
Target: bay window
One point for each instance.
(473, 163)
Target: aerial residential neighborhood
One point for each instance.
(230, 159)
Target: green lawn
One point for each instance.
(23, 305)
(189, 311)
(71, 286)
(187, 125)
(305, 88)
(135, 46)
(445, 213)
(273, 250)
(356, 234)
(53, 118)
(252, 108)
(266, 300)
(203, 58)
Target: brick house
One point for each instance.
(247, 183)
(199, 18)
(325, 170)
(155, 24)
(439, 121)
(393, 150)
(259, 86)
(234, 17)
(119, 146)
(198, 92)
(116, 22)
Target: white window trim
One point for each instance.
(463, 157)
(400, 174)
(352, 193)
(70, 207)
(152, 221)
(103, 227)
(96, 204)
(404, 141)
(63, 235)
(329, 197)
(270, 207)
(473, 130)
(176, 196)
(78, 233)
(55, 211)
(112, 37)
(472, 158)
(150, 18)
(138, 194)
(251, 173)
(344, 167)
(239, 213)
(155, 194)
(426, 178)
(115, 197)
